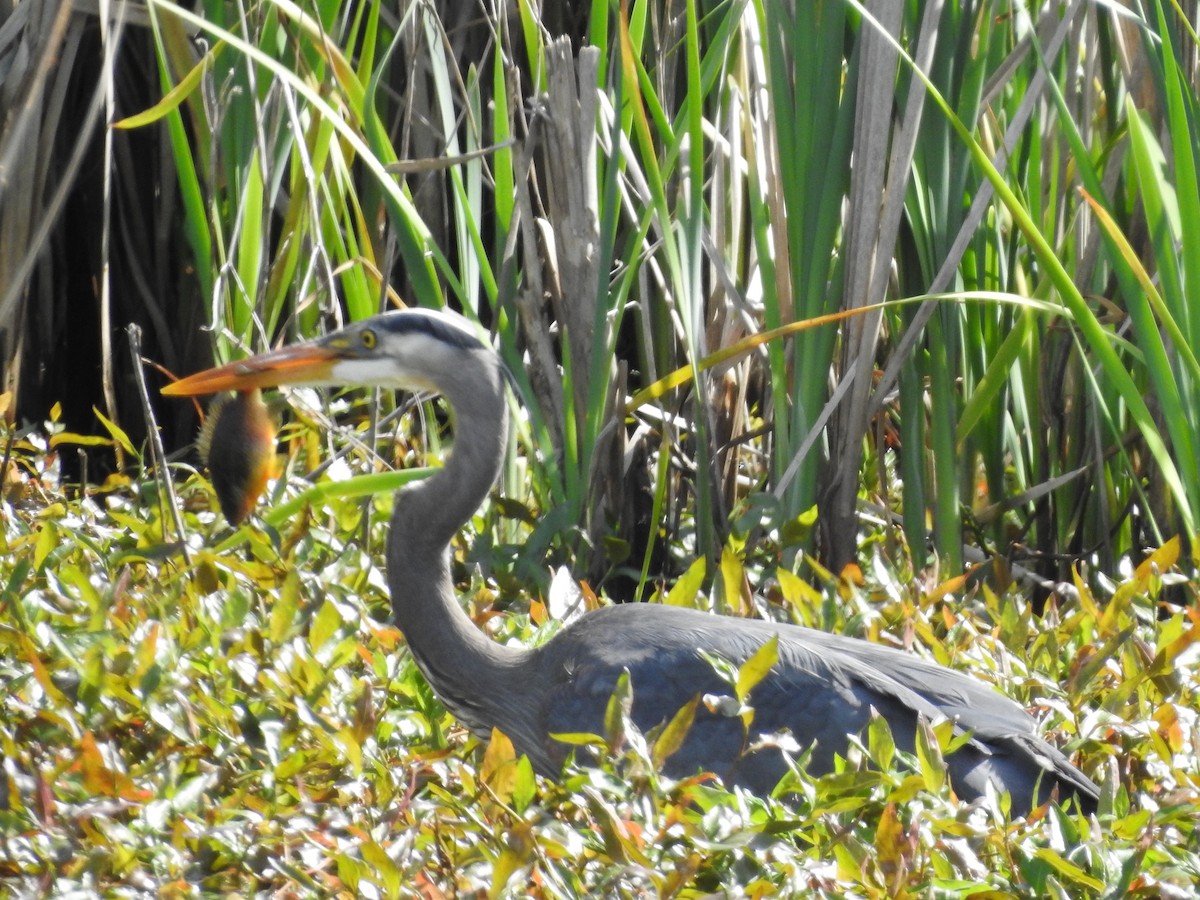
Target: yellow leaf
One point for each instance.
(1161, 559)
(802, 596)
(498, 770)
(616, 714)
(147, 652)
(83, 440)
(880, 742)
(753, 670)
(890, 843)
(1086, 600)
(116, 432)
(676, 731)
(732, 578)
(949, 586)
(351, 748)
(685, 589)
(116, 481)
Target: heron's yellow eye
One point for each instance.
(368, 340)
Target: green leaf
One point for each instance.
(47, 540)
(284, 608)
(616, 714)
(1069, 870)
(174, 97)
(880, 743)
(672, 736)
(326, 623)
(929, 755)
(578, 739)
(385, 868)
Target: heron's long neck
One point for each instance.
(467, 670)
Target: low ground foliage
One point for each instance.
(245, 720)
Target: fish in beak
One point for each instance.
(237, 442)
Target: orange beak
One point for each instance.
(297, 364)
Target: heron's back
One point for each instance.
(823, 688)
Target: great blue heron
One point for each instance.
(823, 688)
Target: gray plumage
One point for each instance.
(822, 688)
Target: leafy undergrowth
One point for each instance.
(246, 722)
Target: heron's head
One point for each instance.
(412, 349)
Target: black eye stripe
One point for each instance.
(412, 321)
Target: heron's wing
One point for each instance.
(818, 695)
(823, 688)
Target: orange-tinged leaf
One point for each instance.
(1169, 726)
(852, 574)
(537, 613)
(1185, 640)
(890, 842)
(147, 651)
(949, 586)
(426, 888)
(98, 778)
